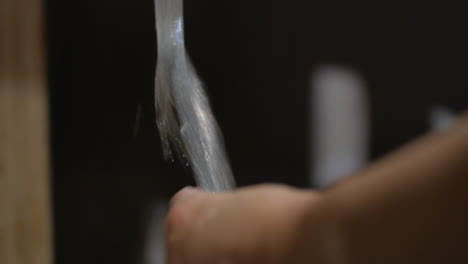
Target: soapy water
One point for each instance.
(186, 124)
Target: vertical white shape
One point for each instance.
(155, 249)
(340, 124)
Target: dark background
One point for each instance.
(256, 58)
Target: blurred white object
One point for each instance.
(154, 251)
(440, 117)
(340, 124)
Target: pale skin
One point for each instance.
(410, 207)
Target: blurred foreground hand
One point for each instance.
(410, 207)
(258, 224)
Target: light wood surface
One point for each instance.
(25, 219)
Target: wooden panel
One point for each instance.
(25, 230)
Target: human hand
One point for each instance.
(260, 224)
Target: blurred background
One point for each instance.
(281, 75)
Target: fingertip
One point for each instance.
(184, 194)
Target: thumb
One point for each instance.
(184, 208)
(184, 194)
